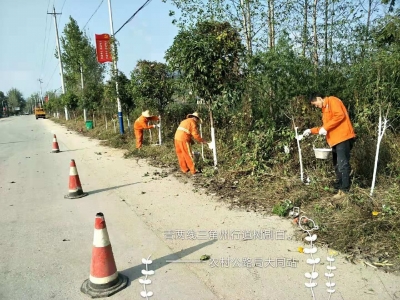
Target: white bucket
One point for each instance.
(322, 153)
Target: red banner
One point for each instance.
(103, 48)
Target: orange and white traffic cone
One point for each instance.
(104, 279)
(75, 187)
(55, 149)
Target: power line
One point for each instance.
(62, 7)
(146, 3)
(45, 36)
(93, 14)
(51, 77)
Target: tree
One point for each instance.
(15, 99)
(3, 101)
(208, 57)
(54, 103)
(79, 53)
(151, 85)
(70, 100)
(246, 15)
(124, 93)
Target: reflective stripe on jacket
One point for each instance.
(336, 121)
(186, 130)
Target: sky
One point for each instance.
(28, 37)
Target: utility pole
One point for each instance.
(84, 109)
(59, 57)
(41, 94)
(121, 120)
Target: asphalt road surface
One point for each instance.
(47, 240)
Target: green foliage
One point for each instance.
(70, 100)
(276, 76)
(124, 94)
(283, 208)
(54, 104)
(79, 53)
(151, 85)
(15, 99)
(207, 58)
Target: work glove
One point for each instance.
(322, 131)
(307, 132)
(154, 126)
(157, 125)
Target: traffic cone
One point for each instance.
(104, 279)
(75, 187)
(55, 149)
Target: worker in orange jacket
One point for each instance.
(183, 139)
(340, 136)
(141, 123)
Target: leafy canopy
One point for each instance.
(207, 57)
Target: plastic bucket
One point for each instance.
(322, 153)
(89, 125)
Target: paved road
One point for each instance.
(46, 240)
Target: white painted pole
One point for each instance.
(214, 147)
(129, 124)
(381, 132)
(159, 131)
(151, 138)
(84, 109)
(202, 145)
(300, 158)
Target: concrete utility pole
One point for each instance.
(41, 94)
(59, 56)
(121, 120)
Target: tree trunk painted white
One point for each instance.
(202, 145)
(214, 147)
(159, 131)
(129, 124)
(214, 144)
(300, 157)
(381, 131)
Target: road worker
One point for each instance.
(142, 123)
(183, 139)
(340, 136)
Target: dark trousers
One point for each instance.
(341, 162)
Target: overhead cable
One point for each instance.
(146, 3)
(93, 14)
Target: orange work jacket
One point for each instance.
(186, 130)
(142, 122)
(336, 122)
